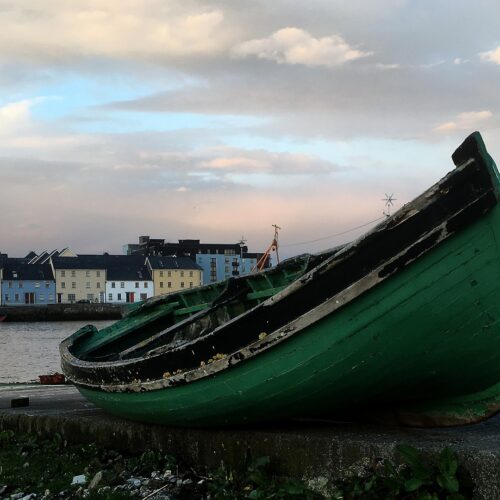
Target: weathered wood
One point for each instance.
(405, 315)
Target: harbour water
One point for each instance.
(31, 349)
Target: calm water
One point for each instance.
(31, 349)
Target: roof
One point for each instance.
(160, 262)
(127, 268)
(80, 262)
(14, 270)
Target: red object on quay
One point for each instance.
(54, 379)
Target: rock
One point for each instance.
(134, 482)
(2, 489)
(16, 496)
(26, 465)
(187, 481)
(95, 480)
(80, 479)
(29, 496)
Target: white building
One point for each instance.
(128, 279)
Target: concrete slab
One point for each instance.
(318, 451)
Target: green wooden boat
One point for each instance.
(404, 321)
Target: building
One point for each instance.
(171, 274)
(79, 278)
(27, 284)
(217, 267)
(128, 279)
(218, 261)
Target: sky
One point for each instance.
(215, 119)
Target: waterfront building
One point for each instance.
(171, 274)
(27, 284)
(218, 261)
(217, 267)
(79, 278)
(128, 279)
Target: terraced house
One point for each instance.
(79, 278)
(128, 279)
(171, 274)
(27, 284)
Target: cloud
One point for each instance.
(251, 162)
(296, 46)
(491, 56)
(464, 121)
(151, 29)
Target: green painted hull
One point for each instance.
(389, 347)
(403, 322)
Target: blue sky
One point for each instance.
(217, 119)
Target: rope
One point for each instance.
(333, 235)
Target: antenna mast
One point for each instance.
(389, 202)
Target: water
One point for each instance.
(31, 349)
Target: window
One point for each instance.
(110, 297)
(190, 274)
(98, 274)
(37, 284)
(190, 284)
(119, 296)
(41, 297)
(226, 269)
(87, 273)
(21, 284)
(112, 284)
(182, 274)
(63, 274)
(122, 284)
(226, 259)
(137, 284)
(145, 284)
(63, 284)
(47, 284)
(10, 284)
(98, 284)
(161, 284)
(87, 285)
(71, 297)
(73, 284)
(6, 297)
(144, 296)
(161, 274)
(51, 297)
(73, 274)
(90, 296)
(16, 297)
(169, 274)
(169, 284)
(182, 284)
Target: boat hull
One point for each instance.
(428, 333)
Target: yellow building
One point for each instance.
(171, 274)
(79, 278)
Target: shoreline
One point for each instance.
(63, 312)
